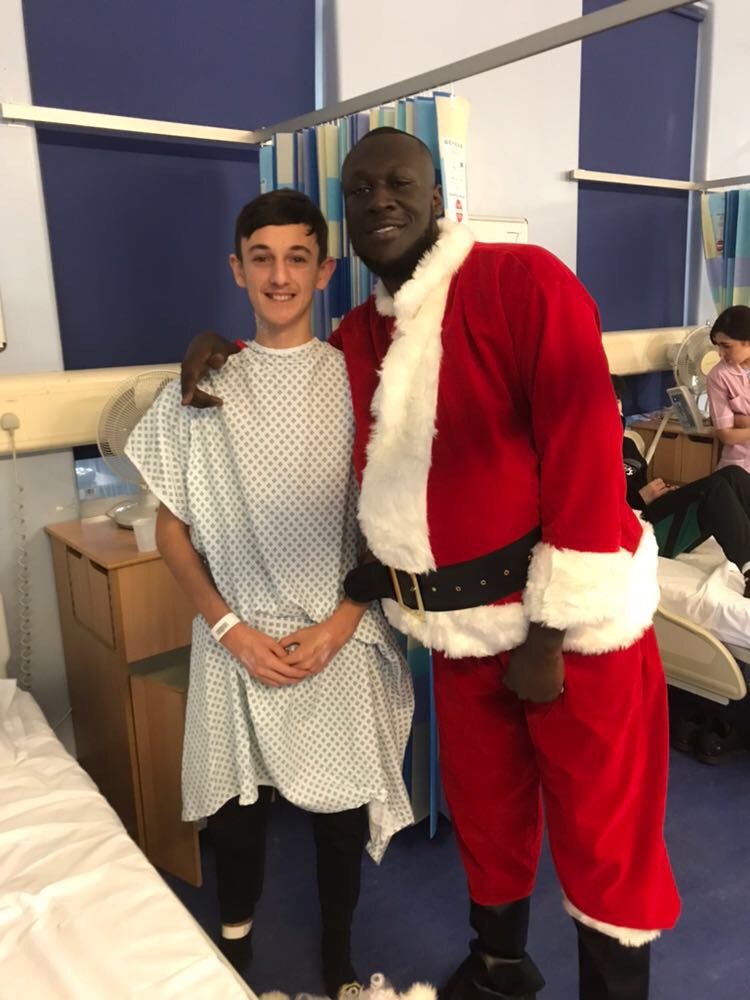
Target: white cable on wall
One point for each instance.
(9, 422)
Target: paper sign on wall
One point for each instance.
(453, 126)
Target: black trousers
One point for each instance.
(723, 509)
(238, 834)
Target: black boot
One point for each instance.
(238, 951)
(498, 966)
(339, 842)
(338, 971)
(610, 970)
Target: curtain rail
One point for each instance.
(625, 12)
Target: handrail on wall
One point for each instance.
(636, 180)
(61, 409)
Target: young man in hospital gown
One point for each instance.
(292, 685)
(488, 445)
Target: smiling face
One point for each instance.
(281, 272)
(392, 204)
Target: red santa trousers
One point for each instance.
(596, 757)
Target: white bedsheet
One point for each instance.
(83, 915)
(704, 587)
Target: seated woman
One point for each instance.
(685, 516)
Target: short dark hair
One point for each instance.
(734, 323)
(388, 130)
(284, 207)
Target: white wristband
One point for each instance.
(224, 624)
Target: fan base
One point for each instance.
(127, 511)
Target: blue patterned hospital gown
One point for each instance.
(266, 485)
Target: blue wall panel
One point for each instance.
(235, 63)
(140, 233)
(140, 229)
(637, 92)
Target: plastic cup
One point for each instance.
(144, 529)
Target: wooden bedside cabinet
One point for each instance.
(681, 456)
(124, 618)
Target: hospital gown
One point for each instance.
(266, 485)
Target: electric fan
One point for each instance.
(692, 360)
(120, 414)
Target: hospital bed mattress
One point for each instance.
(83, 915)
(703, 624)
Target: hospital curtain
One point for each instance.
(310, 161)
(726, 245)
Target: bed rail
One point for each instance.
(696, 661)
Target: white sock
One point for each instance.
(233, 932)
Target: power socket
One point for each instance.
(9, 422)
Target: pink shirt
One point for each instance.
(728, 394)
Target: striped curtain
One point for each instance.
(726, 246)
(311, 161)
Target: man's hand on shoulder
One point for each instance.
(205, 352)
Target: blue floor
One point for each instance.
(412, 921)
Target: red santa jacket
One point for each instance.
(484, 407)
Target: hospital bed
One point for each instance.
(703, 624)
(703, 621)
(83, 915)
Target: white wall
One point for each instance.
(30, 313)
(727, 126)
(524, 119)
(728, 153)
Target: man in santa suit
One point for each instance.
(488, 449)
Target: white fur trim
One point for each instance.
(480, 631)
(604, 600)
(420, 991)
(384, 300)
(492, 629)
(629, 936)
(393, 498)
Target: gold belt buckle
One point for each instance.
(419, 611)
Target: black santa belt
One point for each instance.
(470, 584)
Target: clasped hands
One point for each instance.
(289, 660)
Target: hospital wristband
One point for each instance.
(223, 625)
